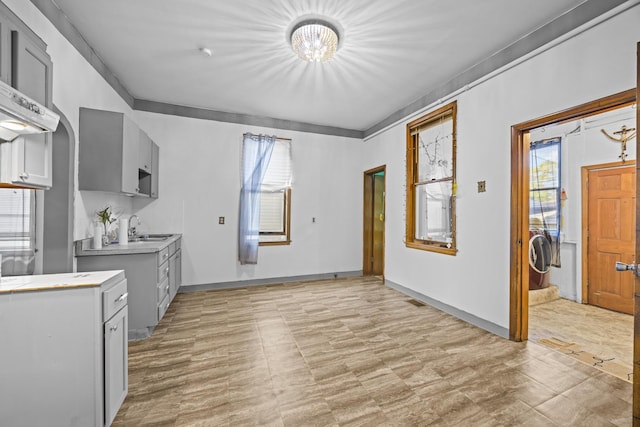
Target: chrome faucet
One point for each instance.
(132, 228)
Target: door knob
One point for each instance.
(621, 266)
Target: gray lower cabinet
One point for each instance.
(154, 279)
(64, 355)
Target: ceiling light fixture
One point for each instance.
(314, 40)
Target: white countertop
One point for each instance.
(83, 247)
(58, 281)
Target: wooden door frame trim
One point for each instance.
(518, 274)
(584, 171)
(367, 205)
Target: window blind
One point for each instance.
(278, 176)
(17, 221)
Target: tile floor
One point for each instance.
(596, 330)
(350, 352)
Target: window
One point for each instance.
(431, 183)
(544, 185)
(275, 197)
(17, 230)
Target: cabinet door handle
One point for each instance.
(122, 297)
(114, 328)
(165, 255)
(24, 175)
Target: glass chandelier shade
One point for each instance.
(314, 41)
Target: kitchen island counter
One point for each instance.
(59, 281)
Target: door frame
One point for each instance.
(367, 219)
(518, 274)
(585, 217)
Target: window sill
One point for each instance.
(431, 248)
(281, 243)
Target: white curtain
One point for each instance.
(256, 154)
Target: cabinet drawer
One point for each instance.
(163, 255)
(163, 271)
(163, 290)
(178, 244)
(163, 306)
(113, 299)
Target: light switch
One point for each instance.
(220, 220)
(482, 186)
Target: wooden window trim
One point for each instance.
(450, 109)
(287, 224)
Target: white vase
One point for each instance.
(97, 236)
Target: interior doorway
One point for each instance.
(374, 222)
(520, 195)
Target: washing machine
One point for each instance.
(539, 260)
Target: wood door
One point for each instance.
(378, 223)
(636, 315)
(373, 222)
(611, 237)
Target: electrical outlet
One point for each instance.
(220, 220)
(482, 186)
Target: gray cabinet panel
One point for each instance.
(153, 280)
(58, 361)
(116, 372)
(140, 270)
(155, 169)
(144, 153)
(108, 152)
(31, 74)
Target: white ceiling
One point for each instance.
(392, 53)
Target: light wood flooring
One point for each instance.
(350, 352)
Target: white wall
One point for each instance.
(200, 181)
(591, 65)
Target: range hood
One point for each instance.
(21, 115)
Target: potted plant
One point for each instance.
(106, 218)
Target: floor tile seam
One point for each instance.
(553, 392)
(591, 413)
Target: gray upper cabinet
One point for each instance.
(116, 155)
(108, 152)
(5, 49)
(155, 169)
(144, 152)
(25, 65)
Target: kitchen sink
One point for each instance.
(150, 237)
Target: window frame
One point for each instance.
(555, 142)
(265, 237)
(286, 222)
(412, 173)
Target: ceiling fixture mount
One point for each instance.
(314, 40)
(205, 51)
